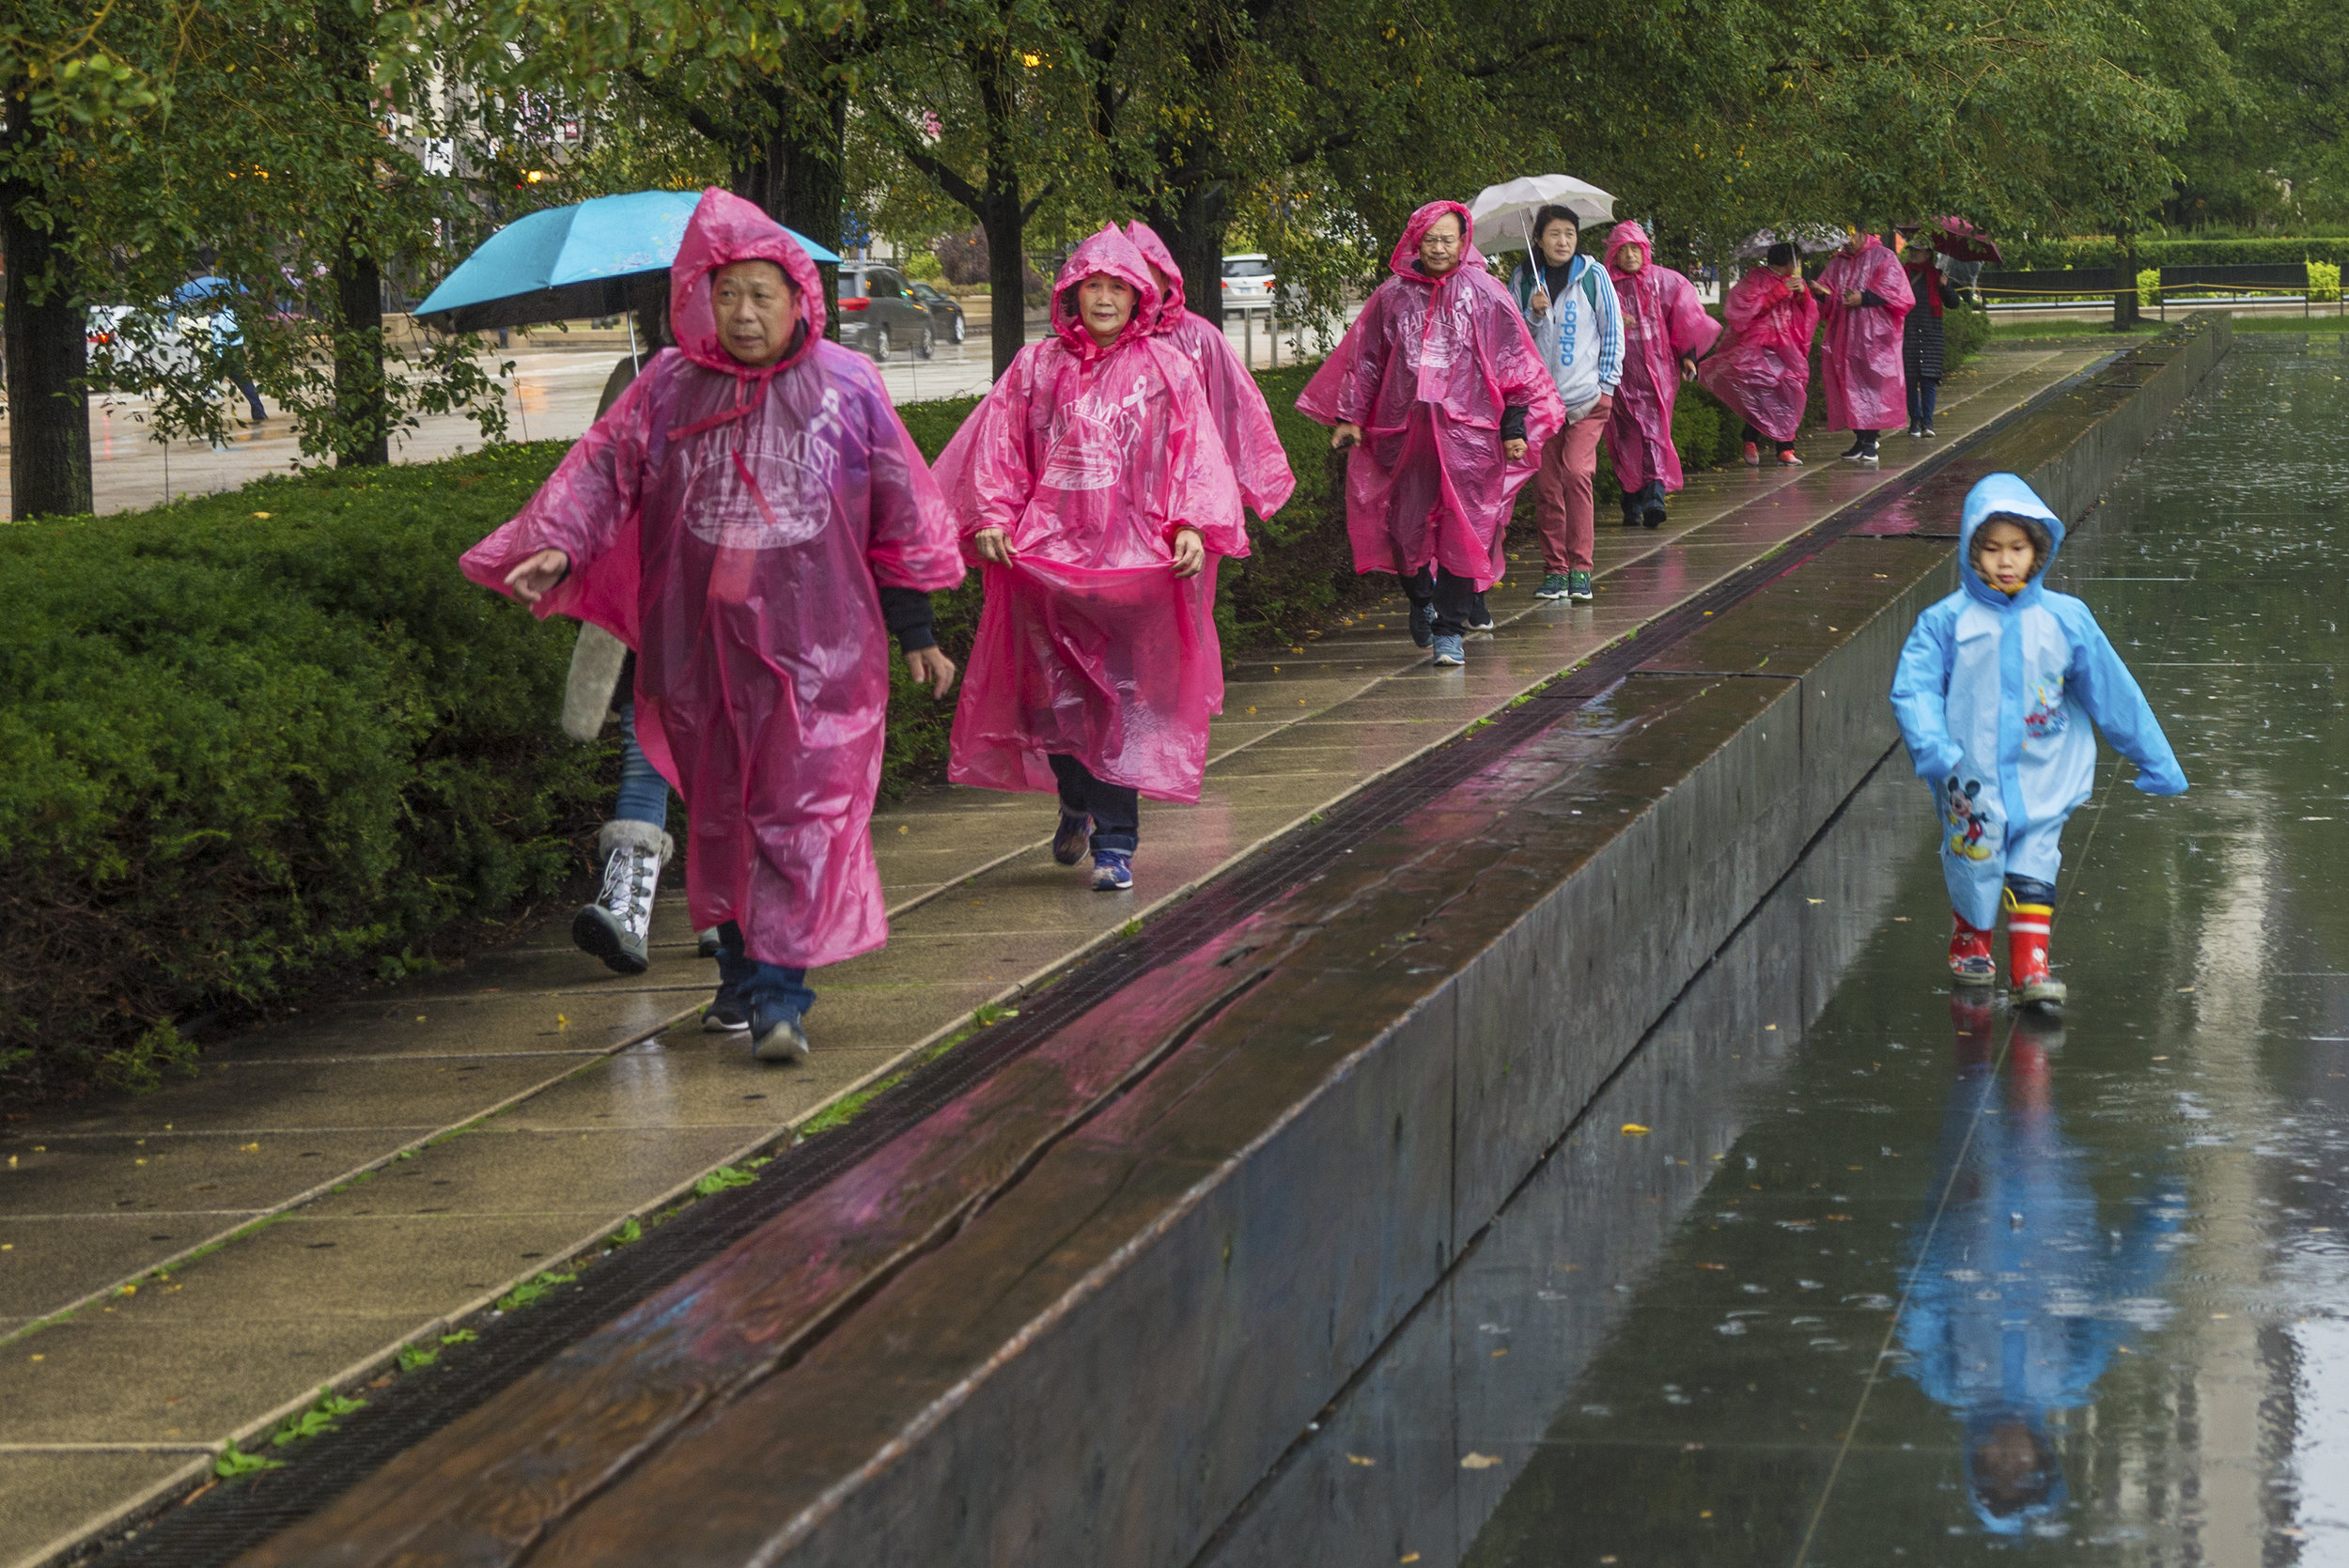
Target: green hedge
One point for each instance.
(256, 740)
(2105, 251)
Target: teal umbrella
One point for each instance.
(569, 261)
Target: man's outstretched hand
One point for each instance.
(931, 667)
(1342, 436)
(536, 578)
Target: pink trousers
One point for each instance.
(1563, 508)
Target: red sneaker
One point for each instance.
(1969, 955)
(1787, 460)
(1753, 456)
(2027, 931)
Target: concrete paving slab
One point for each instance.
(282, 1099)
(131, 1175)
(690, 1080)
(513, 1171)
(48, 1494)
(145, 1372)
(57, 1259)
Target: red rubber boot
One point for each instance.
(1969, 955)
(2026, 930)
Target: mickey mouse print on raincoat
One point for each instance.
(1425, 370)
(1091, 460)
(734, 527)
(1989, 693)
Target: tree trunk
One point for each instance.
(48, 354)
(363, 429)
(798, 173)
(363, 425)
(1193, 219)
(1006, 273)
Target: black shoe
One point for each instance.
(1851, 453)
(1423, 625)
(1480, 619)
(1654, 515)
(725, 1014)
(1073, 837)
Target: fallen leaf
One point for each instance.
(1479, 1462)
(1360, 1459)
(261, 514)
(1633, 1130)
(1717, 1267)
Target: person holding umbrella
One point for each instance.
(1923, 343)
(1864, 298)
(741, 518)
(1761, 369)
(1664, 330)
(1569, 303)
(1441, 395)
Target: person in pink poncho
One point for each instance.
(1443, 398)
(1259, 461)
(752, 519)
(1761, 368)
(1664, 330)
(1865, 297)
(1092, 486)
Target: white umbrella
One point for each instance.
(1504, 213)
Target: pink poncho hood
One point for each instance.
(1091, 460)
(1105, 251)
(1259, 461)
(734, 525)
(1425, 371)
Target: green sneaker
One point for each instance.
(1579, 586)
(1553, 586)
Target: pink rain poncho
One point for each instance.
(1662, 324)
(1761, 365)
(1425, 371)
(1090, 460)
(1259, 461)
(734, 525)
(1860, 360)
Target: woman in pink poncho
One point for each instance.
(1664, 330)
(1445, 401)
(1761, 368)
(1259, 461)
(1092, 484)
(1866, 296)
(751, 516)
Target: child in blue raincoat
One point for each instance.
(1991, 691)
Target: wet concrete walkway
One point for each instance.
(1844, 1269)
(381, 1169)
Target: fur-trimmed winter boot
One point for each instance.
(617, 926)
(2027, 931)
(1969, 954)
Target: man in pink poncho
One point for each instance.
(1443, 398)
(1664, 330)
(751, 517)
(1761, 368)
(1093, 488)
(1866, 296)
(1259, 461)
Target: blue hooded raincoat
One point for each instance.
(1990, 693)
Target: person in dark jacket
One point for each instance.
(1922, 339)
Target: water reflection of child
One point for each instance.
(2020, 1296)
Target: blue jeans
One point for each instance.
(1921, 393)
(1116, 810)
(770, 992)
(644, 793)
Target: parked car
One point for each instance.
(1248, 281)
(946, 315)
(880, 314)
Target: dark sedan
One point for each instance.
(946, 315)
(880, 314)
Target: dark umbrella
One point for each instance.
(1962, 241)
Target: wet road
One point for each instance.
(1843, 1269)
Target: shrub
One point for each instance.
(2325, 281)
(260, 739)
(2105, 251)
